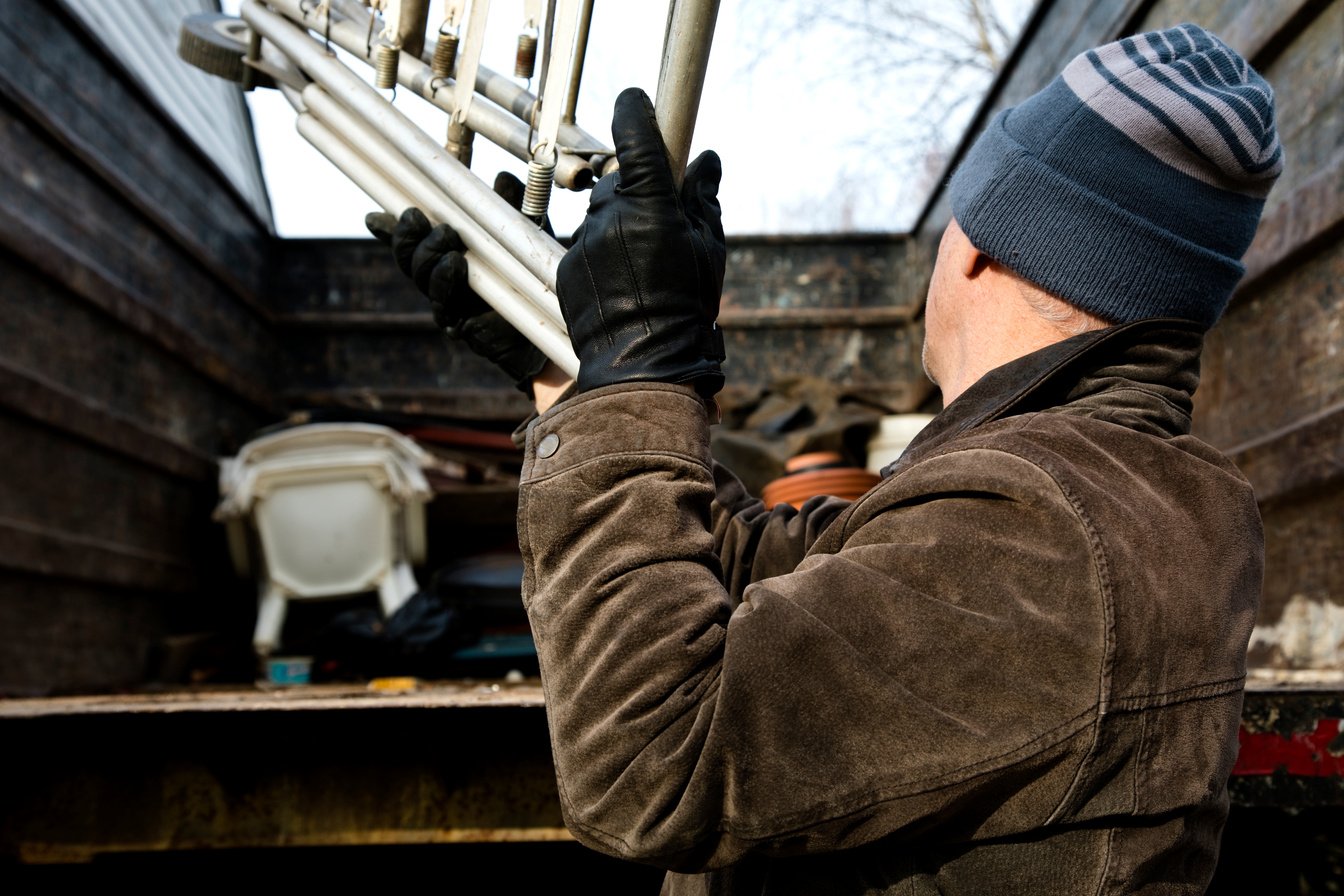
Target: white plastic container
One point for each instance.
(894, 432)
(333, 508)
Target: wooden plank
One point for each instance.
(61, 486)
(76, 233)
(1275, 358)
(31, 548)
(48, 67)
(61, 635)
(56, 337)
(1311, 215)
(40, 399)
(1263, 29)
(1309, 102)
(261, 698)
(1306, 455)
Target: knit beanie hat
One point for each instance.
(1132, 184)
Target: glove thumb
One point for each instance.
(640, 150)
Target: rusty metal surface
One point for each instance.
(322, 773)
(333, 766)
(1287, 710)
(1306, 455)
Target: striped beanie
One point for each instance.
(1132, 184)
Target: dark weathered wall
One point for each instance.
(358, 336)
(136, 348)
(1272, 391)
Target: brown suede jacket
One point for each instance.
(1013, 667)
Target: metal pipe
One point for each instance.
(537, 250)
(580, 55)
(384, 157)
(686, 43)
(488, 119)
(382, 186)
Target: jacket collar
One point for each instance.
(1141, 375)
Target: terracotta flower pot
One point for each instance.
(818, 473)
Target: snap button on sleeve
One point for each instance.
(547, 446)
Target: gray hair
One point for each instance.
(1069, 320)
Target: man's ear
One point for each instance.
(974, 262)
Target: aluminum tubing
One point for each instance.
(511, 304)
(690, 31)
(537, 250)
(383, 157)
(487, 119)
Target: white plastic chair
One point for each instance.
(336, 509)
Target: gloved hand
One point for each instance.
(433, 257)
(640, 286)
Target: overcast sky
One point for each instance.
(798, 144)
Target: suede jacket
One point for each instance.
(1015, 666)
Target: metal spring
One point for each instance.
(445, 55)
(525, 61)
(537, 194)
(386, 66)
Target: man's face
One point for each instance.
(940, 305)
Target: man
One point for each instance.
(1015, 665)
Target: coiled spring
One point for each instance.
(445, 55)
(385, 66)
(525, 60)
(537, 193)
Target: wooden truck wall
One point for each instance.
(152, 323)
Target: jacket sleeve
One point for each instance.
(756, 542)
(934, 661)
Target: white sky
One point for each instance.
(802, 150)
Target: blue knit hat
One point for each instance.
(1132, 184)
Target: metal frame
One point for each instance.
(511, 261)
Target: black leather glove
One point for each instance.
(433, 257)
(640, 286)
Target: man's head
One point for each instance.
(1130, 186)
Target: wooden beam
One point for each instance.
(1262, 29)
(1308, 454)
(34, 396)
(1309, 215)
(37, 549)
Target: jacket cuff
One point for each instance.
(625, 418)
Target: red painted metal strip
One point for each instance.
(1318, 753)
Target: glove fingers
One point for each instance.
(640, 149)
(510, 189)
(381, 225)
(427, 253)
(412, 227)
(700, 192)
(450, 298)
